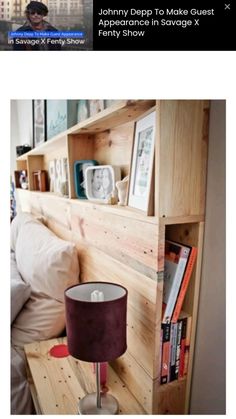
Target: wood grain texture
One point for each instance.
(115, 147)
(130, 241)
(61, 382)
(169, 399)
(21, 164)
(33, 164)
(121, 113)
(183, 151)
(124, 246)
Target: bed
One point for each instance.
(42, 267)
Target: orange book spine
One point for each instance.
(184, 285)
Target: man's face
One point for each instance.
(35, 16)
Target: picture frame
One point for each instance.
(39, 112)
(56, 117)
(82, 110)
(141, 177)
(109, 102)
(95, 106)
(79, 176)
(100, 183)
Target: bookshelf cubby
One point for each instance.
(121, 244)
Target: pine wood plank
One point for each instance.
(21, 164)
(183, 151)
(169, 399)
(127, 240)
(115, 147)
(61, 382)
(33, 164)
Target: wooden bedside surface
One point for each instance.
(57, 384)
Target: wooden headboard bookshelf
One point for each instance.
(122, 245)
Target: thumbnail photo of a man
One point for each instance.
(35, 14)
(46, 25)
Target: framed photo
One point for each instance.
(56, 117)
(39, 122)
(79, 176)
(142, 164)
(95, 106)
(100, 183)
(82, 110)
(109, 102)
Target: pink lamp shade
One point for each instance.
(96, 330)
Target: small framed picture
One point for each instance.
(56, 117)
(82, 110)
(79, 176)
(100, 183)
(95, 106)
(142, 164)
(109, 102)
(39, 122)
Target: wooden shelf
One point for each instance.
(123, 211)
(123, 245)
(117, 114)
(58, 383)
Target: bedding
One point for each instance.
(47, 265)
(20, 291)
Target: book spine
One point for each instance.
(184, 285)
(174, 291)
(165, 327)
(187, 345)
(178, 345)
(182, 348)
(160, 354)
(173, 347)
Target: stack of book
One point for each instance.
(176, 324)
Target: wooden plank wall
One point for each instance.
(101, 259)
(182, 162)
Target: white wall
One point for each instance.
(21, 127)
(208, 386)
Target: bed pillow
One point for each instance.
(49, 265)
(18, 222)
(20, 291)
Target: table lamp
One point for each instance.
(96, 332)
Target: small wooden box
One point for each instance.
(40, 180)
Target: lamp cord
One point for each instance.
(98, 385)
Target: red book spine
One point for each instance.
(182, 348)
(187, 345)
(184, 285)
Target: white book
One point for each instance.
(176, 258)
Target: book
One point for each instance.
(165, 332)
(173, 348)
(178, 347)
(176, 258)
(182, 348)
(184, 284)
(187, 345)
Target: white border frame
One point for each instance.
(142, 202)
(115, 176)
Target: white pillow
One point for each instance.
(40, 319)
(18, 222)
(49, 265)
(20, 291)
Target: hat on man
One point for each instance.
(38, 6)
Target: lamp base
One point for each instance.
(88, 405)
